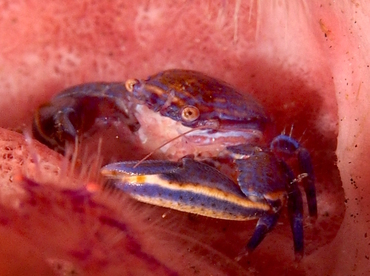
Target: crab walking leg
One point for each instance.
(288, 146)
(262, 175)
(305, 166)
(264, 225)
(295, 209)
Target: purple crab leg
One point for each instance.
(264, 225)
(287, 145)
(295, 211)
(305, 165)
(265, 176)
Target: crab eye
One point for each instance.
(190, 113)
(130, 84)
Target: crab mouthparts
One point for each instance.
(229, 136)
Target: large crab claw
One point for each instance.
(186, 185)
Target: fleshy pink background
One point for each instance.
(307, 62)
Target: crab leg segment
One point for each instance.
(264, 225)
(286, 145)
(261, 174)
(295, 211)
(305, 165)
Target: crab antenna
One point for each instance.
(283, 132)
(33, 152)
(74, 154)
(291, 130)
(166, 143)
(300, 139)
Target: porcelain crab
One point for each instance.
(216, 161)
